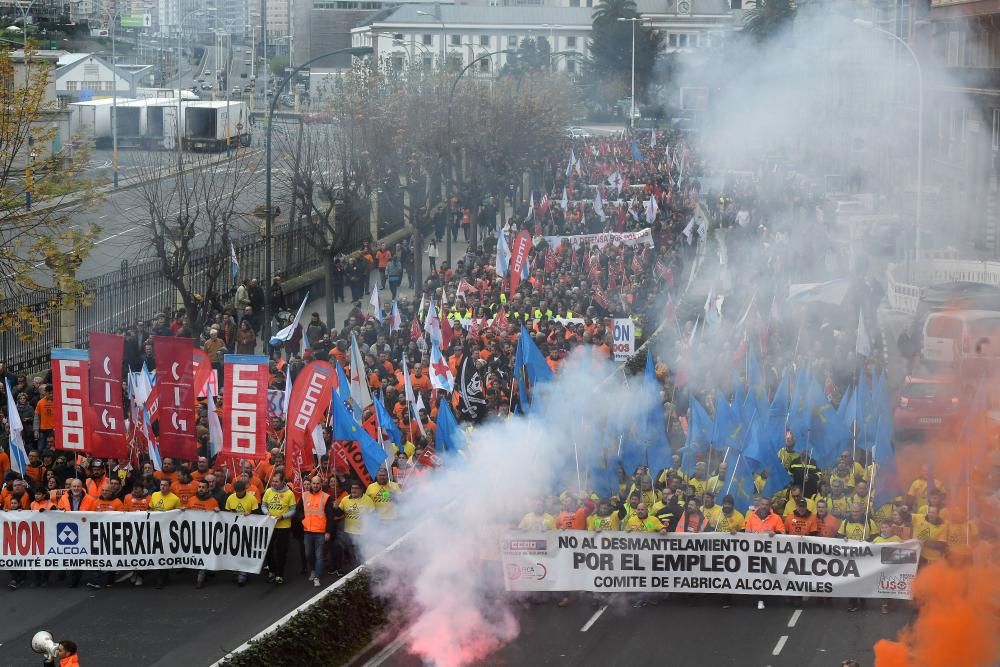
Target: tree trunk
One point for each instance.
(328, 292)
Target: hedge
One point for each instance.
(330, 632)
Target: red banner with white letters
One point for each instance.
(107, 437)
(71, 402)
(244, 411)
(518, 258)
(311, 395)
(175, 394)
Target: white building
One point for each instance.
(424, 32)
(85, 76)
(468, 31)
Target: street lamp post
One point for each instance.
(633, 21)
(451, 99)
(114, 102)
(180, 32)
(444, 32)
(356, 51)
(869, 25)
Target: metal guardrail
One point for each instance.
(904, 295)
(139, 291)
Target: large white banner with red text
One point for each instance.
(744, 563)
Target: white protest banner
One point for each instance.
(745, 563)
(641, 237)
(624, 334)
(133, 540)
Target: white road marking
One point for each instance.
(780, 645)
(130, 229)
(593, 619)
(795, 618)
(389, 650)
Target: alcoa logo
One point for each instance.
(67, 534)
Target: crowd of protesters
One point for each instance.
(566, 301)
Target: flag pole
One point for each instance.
(381, 442)
(871, 487)
(579, 480)
(739, 457)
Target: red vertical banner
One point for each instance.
(175, 395)
(245, 407)
(311, 395)
(107, 438)
(70, 388)
(202, 371)
(519, 258)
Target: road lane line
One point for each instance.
(593, 619)
(780, 645)
(389, 650)
(795, 618)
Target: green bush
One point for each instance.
(330, 632)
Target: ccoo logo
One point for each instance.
(67, 534)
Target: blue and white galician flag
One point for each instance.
(18, 457)
(286, 333)
(234, 264)
(440, 373)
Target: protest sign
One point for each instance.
(708, 563)
(133, 540)
(641, 237)
(624, 335)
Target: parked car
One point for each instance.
(929, 403)
(206, 86)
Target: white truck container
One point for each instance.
(208, 126)
(92, 120)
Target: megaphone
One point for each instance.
(43, 644)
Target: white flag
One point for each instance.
(572, 163)
(599, 205)
(319, 444)
(411, 401)
(565, 200)
(688, 230)
(651, 209)
(360, 393)
(503, 255)
(214, 426)
(652, 138)
(616, 181)
(864, 343)
(375, 303)
(286, 333)
(395, 319)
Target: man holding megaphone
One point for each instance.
(61, 654)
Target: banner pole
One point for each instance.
(579, 479)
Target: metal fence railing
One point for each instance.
(139, 291)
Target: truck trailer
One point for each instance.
(212, 126)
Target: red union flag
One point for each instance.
(519, 258)
(175, 395)
(245, 407)
(107, 437)
(70, 388)
(310, 398)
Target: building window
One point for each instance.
(574, 3)
(484, 65)
(571, 42)
(682, 40)
(73, 86)
(512, 42)
(428, 62)
(456, 40)
(571, 66)
(956, 46)
(484, 40)
(397, 63)
(398, 37)
(996, 129)
(91, 71)
(672, 40)
(428, 40)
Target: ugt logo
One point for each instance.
(67, 534)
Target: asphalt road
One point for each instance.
(677, 634)
(178, 625)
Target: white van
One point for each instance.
(957, 340)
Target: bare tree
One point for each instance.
(191, 217)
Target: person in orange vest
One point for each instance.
(764, 520)
(18, 491)
(42, 503)
(75, 501)
(97, 479)
(65, 654)
(185, 487)
(319, 514)
(106, 502)
(202, 501)
(138, 500)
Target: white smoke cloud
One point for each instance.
(437, 581)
